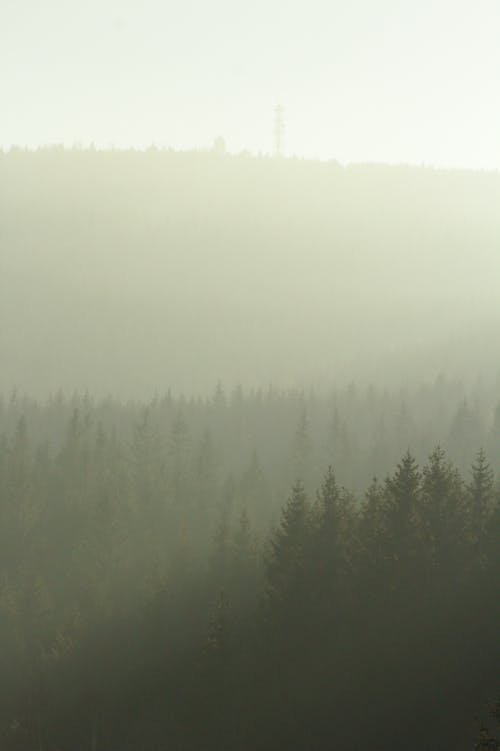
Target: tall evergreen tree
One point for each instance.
(286, 561)
(402, 501)
(479, 497)
(442, 511)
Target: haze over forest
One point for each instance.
(289, 331)
(249, 390)
(134, 272)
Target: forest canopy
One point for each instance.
(249, 453)
(192, 574)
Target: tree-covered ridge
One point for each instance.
(149, 579)
(257, 268)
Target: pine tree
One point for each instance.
(442, 511)
(286, 563)
(479, 497)
(328, 506)
(372, 527)
(19, 456)
(402, 499)
(327, 546)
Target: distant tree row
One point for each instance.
(283, 434)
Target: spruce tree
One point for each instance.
(480, 489)
(402, 499)
(442, 512)
(286, 562)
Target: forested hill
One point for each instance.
(147, 603)
(130, 271)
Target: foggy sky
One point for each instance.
(390, 80)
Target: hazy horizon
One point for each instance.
(384, 82)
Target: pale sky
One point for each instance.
(361, 80)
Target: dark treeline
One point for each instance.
(189, 574)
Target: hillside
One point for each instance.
(134, 271)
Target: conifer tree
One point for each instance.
(442, 511)
(479, 500)
(286, 562)
(402, 494)
(372, 527)
(327, 556)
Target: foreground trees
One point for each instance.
(142, 604)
